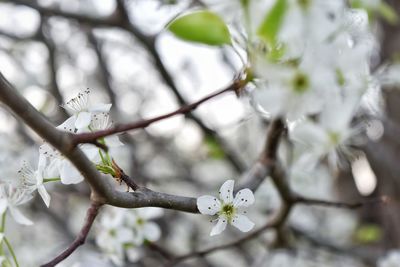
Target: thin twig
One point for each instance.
(90, 137)
(80, 239)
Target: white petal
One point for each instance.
(1, 239)
(3, 205)
(138, 237)
(69, 174)
(19, 217)
(68, 125)
(151, 231)
(149, 213)
(244, 198)
(226, 191)
(92, 152)
(219, 227)
(242, 223)
(123, 235)
(113, 141)
(53, 169)
(208, 205)
(100, 108)
(45, 196)
(134, 254)
(83, 120)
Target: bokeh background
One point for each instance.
(51, 50)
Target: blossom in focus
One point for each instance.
(101, 121)
(10, 198)
(229, 210)
(32, 180)
(57, 165)
(82, 111)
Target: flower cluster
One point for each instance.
(121, 232)
(315, 72)
(54, 166)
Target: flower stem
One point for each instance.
(6, 262)
(10, 248)
(46, 180)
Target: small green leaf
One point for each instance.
(272, 22)
(203, 27)
(388, 13)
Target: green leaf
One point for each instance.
(388, 13)
(272, 22)
(203, 27)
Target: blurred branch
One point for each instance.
(80, 239)
(319, 202)
(105, 75)
(82, 18)
(45, 38)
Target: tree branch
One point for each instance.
(80, 239)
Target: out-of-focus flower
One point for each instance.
(332, 132)
(229, 210)
(121, 232)
(10, 198)
(392, 259)
(144, 229)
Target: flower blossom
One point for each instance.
(122, 231)
(82, 111)
(10, 198)
(229, 210)
(57, 165)
(32, 180)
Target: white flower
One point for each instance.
(124, 230)
(113, 235)
(308, 23)
(138, 219)
(392, 259)
(101, 121)
(82, 111)
(229, 209)
(290, 92)
(332, 132)
(32, 180)
(10, 198)
(55, 164)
